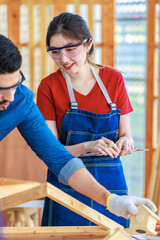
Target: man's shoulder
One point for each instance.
(24, 92)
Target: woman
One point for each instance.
(87, 108)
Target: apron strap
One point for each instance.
(113, 106)
(74, 104)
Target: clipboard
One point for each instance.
(89, 154)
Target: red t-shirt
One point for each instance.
(53, 98)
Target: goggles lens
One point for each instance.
(69, 51)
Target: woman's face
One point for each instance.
(69, 54)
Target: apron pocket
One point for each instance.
(75, 137)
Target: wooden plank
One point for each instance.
(90, 16)
(15, 188)
(156, 196)
(23, 197)
(84, 1)
(157, 193)
(43, 14)
(150, 83)
(10, 181)
(157, 190)
(78, 232)
(31, 44)
(80, 208)
(77, 6)
(108, 32)
(157, 61)
(3, 2)
(59, 8)
(153, 177)
(14, 20)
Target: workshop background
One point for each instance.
(126, 34)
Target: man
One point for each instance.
(17, 109)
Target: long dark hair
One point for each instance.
(71, 26)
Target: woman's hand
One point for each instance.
(104, 146)
(125, 145)
(125, 142)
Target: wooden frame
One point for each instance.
(50, 191)
(107, 227)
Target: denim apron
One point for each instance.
(80, 126)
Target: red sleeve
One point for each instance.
(123, 101)
(45, 101)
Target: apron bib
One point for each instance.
(80, 126)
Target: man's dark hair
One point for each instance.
(10, 57)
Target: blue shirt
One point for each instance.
(24, 114)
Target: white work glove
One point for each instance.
(124, 206)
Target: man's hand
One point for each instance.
(125, 205)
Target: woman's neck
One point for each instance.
(84, 74)
(83, 81)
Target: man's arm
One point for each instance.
(46, 146)
(83, 182)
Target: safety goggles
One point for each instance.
(69, 51)
(22, 78)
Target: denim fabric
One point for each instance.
(79, 126)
